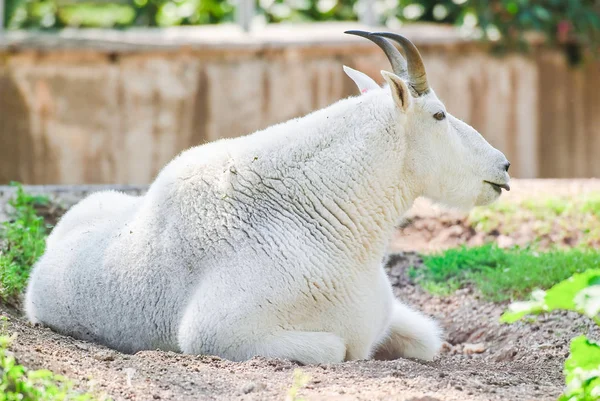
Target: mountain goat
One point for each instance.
(271, 244)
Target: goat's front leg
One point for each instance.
(411, 335)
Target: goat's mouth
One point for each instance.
(498, 187)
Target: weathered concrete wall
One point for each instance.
(114, 107)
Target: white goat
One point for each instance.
(271, 244)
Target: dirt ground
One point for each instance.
(481, 360)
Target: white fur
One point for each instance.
(269, 244)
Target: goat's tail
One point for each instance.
(411, 335)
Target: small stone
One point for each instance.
(396, 271)
(446, 347)
(130, 373)
(477, 335)
(83, 346)
(248, 387)
(477, 348)
(104, 356)
(505, 241)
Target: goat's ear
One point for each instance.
(362, 80)
(399, 90)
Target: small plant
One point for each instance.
(579, 293)
(22, 242)
(4, 325)
(300, 380)
(18, 383)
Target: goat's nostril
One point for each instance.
(506, 166)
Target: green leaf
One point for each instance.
(562, 295)
(542, 13)
(518, 310)
(578, 293)
(582, 370)
(585, 354)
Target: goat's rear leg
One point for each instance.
(306, 347)
(238, 343)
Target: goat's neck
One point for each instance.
(352, 168)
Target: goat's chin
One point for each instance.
(488, 195)
(458, 204)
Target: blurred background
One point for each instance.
(108, 91)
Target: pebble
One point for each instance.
(505, 241)
(248, 388)
(83, 346)
(104, 356)
(251, 386)
(477, 348)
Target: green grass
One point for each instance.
(501, 274)
(22, 242)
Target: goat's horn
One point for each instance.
(416, 69)
(392, 53)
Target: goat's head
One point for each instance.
(453, 163)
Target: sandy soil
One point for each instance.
(482, 359)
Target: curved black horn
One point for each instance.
(416, 69)
(392, 53)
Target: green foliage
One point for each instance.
(18, 383)
(562, 22)
(574, 218)
(574, 23)
(22, 241)
(501, 274)
(580, 293)
(50, 14)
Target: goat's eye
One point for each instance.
(440, 115)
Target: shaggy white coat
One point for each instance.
(269, 244)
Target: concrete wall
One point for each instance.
(114, 107)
